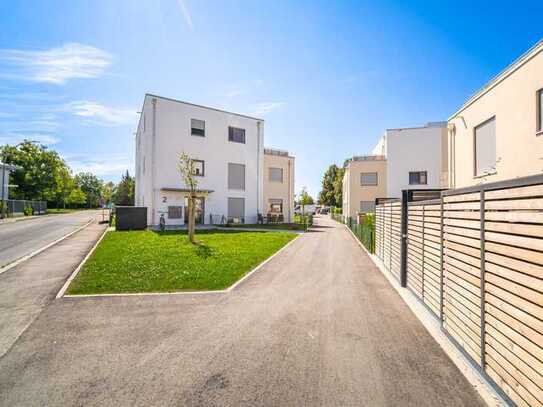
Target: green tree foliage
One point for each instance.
(305, 199)
(123, 194)
(91, 186)
(332, 187)
(76, 197)
(338, 187)
(108, 192)
(42, 171)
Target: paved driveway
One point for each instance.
(20, 238)
(317, 326)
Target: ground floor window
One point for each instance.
(175, 212)
(367, 206)
(236, 209)
(418, 178)
(276, 205)
(199, 208)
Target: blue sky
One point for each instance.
(328, 77)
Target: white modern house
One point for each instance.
(417, 158)
(228, 149)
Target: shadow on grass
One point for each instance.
(206, 232)
(203, 250)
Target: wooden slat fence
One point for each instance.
(475, 259)
(424, 252)
(388, 235)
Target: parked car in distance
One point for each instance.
(308, 209)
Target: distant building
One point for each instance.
(417, 158)
(278, 184)
(5, 171)
(365, 179)
(498, 133)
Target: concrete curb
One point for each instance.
(61, 293)
(432, 325)
(47, 246)
(80, 266)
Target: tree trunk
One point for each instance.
(191, 219)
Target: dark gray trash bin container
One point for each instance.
(130, 217)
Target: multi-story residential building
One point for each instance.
(417, 158)
(228, 149)
(498, 133)
(278, 184)
(365, 179)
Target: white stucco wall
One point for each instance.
(173, 135)
(415, 149)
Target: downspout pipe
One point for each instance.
(153, 161)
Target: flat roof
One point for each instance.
(429, 125)
(509, 70)
(203, 107)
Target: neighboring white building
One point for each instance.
(228, 149)
(5, 171)
(416, 158)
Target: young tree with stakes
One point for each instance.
(188, 172)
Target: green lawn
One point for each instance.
(146, 261)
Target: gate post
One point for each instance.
(403, 245)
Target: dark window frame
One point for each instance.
(197, 132)
(175, 208)
(231, 135)
(419, 173)
(273, 202)
(203, 168)
(368, 173)
(539, 111)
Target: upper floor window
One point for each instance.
(540, 110)
(197, 127)
(418, 177)
(276, 175)
(199, 168)
(368, 178)
(485, 147)
(236, 176)
(236, 135)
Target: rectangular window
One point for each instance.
(485, 147)
(540, 110)
(197, 127)
(199, 168)
(174, 212)
(276, 175)
(276, 205)
(236, 135)
(236, 176)
(418, 177)
(368, 178)
(367, 206)
(236, 209)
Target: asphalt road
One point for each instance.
(18, 239)
(318, 325)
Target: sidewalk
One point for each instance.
(29, 287)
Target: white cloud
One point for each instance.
(55, 65)
(262, 109)
(186, 12)
(102, 166)
(96, 113)
(17, 137)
